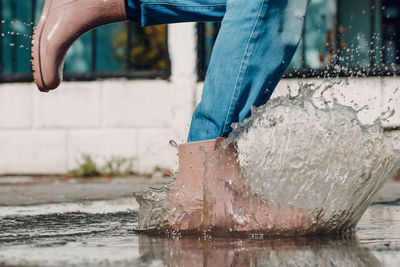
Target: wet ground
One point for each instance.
(100, 232)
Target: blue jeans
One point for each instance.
(255, 45)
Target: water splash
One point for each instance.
(152, 206)
(295, 153)
(305, 152)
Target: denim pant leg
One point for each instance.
(256, 43)
(155, 12)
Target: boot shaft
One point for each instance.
(62, 22)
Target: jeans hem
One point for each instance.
(133, 12)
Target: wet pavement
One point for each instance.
(27, 190)
(75, 223)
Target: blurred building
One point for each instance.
(129, 90)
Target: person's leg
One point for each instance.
(64, 21)
(256, 43)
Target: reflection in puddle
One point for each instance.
(314, 251)
(109, 239)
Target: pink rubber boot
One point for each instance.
(210, 194)
(61, 23)
(185, 201)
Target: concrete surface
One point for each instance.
(25, 190)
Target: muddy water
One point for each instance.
(90, 238)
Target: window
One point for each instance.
(116, 50)
(207, 34)
(391, 32)
(341, 38)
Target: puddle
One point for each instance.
(16, 180)
(108, 238)
(94, 207)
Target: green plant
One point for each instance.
(118, 166)
(164, 172)
(86, 167)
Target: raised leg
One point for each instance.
(256, 43)
(64, 21)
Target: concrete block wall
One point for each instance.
(45, 133)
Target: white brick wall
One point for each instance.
(391, 99)
(33, 151)
(154, 149)
(15, 106)
(74, 105)
(141, 104)
(45, 133)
